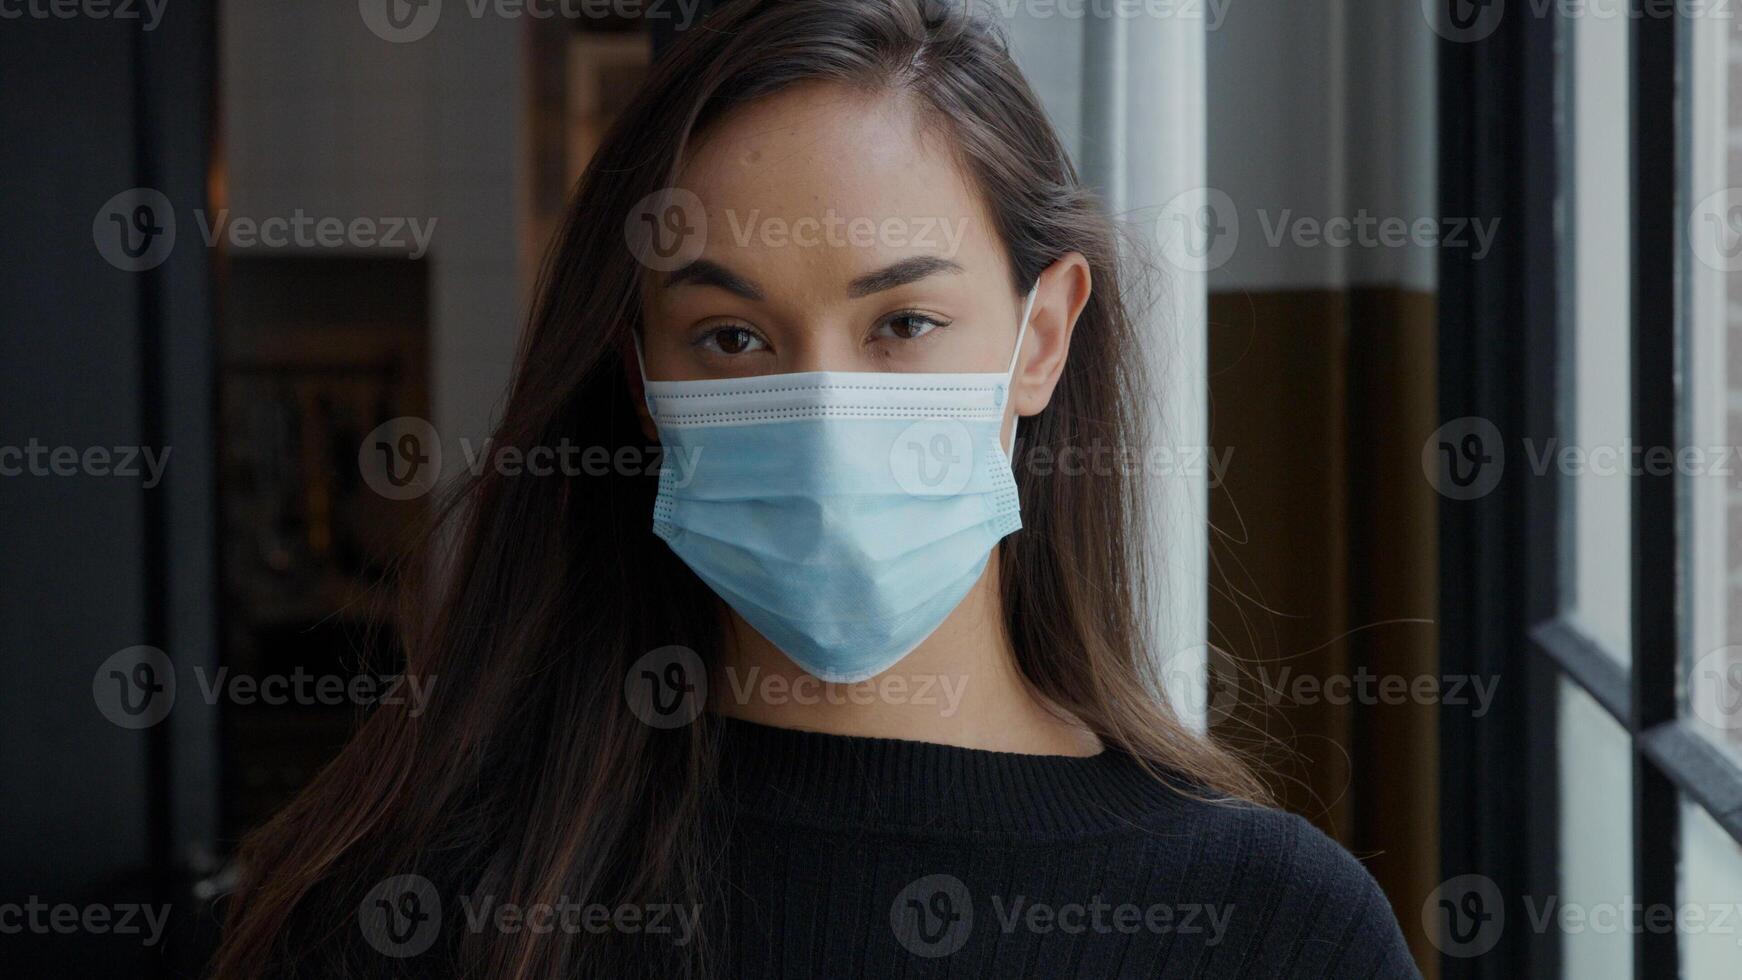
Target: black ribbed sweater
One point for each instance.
(858, 857)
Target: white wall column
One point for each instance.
(1144, 145)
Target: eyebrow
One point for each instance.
(900, 274)
(702, 272)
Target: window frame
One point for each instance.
(1504, 594)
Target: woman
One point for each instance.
(835, 261)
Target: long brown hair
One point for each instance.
(528, 777)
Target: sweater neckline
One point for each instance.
(847, 782)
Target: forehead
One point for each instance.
(835, 157)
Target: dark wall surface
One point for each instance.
(103, 360)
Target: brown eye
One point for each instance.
(908, 326)
(732, 341)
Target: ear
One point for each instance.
(637, 389)
(1062, 292)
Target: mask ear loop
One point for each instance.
(1010, 371)
(641, 365)
(1021, 332)
(639, 361)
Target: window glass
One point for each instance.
(1596, 840)
(1594, 459)
(1709, 469)
(1711, 903)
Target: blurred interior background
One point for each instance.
(1377, 222)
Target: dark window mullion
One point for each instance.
(1656, 542)
(1543, 189)
(1545, 185)
(1498, 343)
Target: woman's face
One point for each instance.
(840, 235)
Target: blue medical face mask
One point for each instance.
(844, 515)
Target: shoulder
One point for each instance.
(1245, 847)
(1295, 902)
